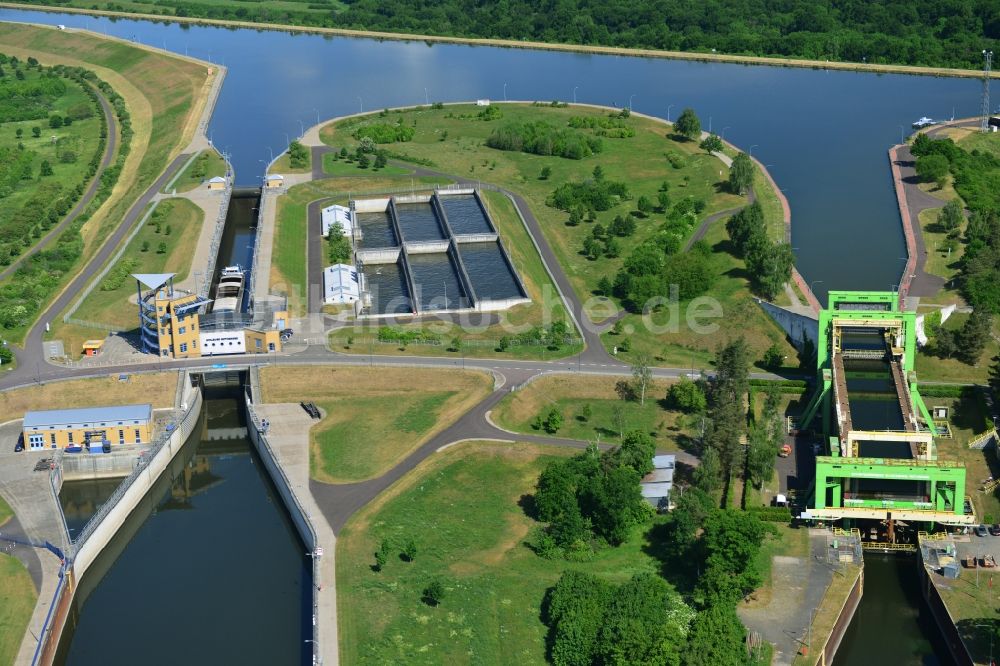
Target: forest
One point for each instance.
(946, 33)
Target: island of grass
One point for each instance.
(165, 243)
(602, 183)
(164, 96)
(207, 165)
(399, 408)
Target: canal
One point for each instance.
(208, 570)
(823, 134)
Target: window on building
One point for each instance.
(270, 346)
(183, 330)
(52, 438)
(138, 437)
(70, 435)
(165, 352)
(184, 347)
(121, 436)
(258, 345)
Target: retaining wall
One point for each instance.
(491, 305)
(427, 247)
(945, 622)
(476, 238)
(798, 327)
(378, 205)
(379, 256)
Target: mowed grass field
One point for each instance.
(165, 96)
(157, 389)
(454, 140)
(571, 394)
(17, 601)
(373, 417)
(112, 306)
(206, 166)
(288, 258)
(461, 509)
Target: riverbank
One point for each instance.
(530, 45)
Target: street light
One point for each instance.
(271, 153)
(710, 124)
(362, 103)
(317, 115)
(630, 102)
(751, 149)
(669, 106)
(811, 290)
(901, 139)
(724, 132)
(505, 91)
(574, 93)
(302, 129)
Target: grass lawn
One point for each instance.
(640, 161)
(155, 388)
(17, 601)
(829, 610)
(545, 306)
(374, 417)
(791, 542)
(283, 165)
(110, 302)
(570, 394)
(288, 266)
(940, 261)
(680, 345)
(461, 509)
(67, 149)
(333, 165)
(6, 513)
(164, 94)
(932, 368)
(206, 166)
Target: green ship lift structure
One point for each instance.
(892, 471)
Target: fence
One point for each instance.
(84, 466)
(280, 479)
(487, 343)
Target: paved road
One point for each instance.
(109, 153)
(15, 547)
(33, 352)
(923, 284)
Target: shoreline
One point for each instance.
(528, 45)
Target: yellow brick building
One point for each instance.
(168, 318)
(92, 426)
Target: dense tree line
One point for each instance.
(918, 32)
(977, 180)
(769, 263)
(385, 132)
(542, 138)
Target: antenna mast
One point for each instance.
(984, 123)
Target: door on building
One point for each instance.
(36, 442)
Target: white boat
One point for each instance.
(924, 121)
(229, 291)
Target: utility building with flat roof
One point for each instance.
(338, 215)
(81, 428)
(340, 284)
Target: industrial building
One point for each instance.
(171, 324)
(656, 485)
(341, 285)
(341, 215)
(79, 429)
(879, 458)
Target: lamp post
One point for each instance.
(724, 132)
(751, 149)
(901, 139)
(271, 154)
(574, 93)
(669, 106)
(317, 115)
(361, 102)
(302, 129)
(710, 124)
(630, 102)
(505, 91)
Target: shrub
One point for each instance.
(385, 132)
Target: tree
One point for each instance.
(773, 358)
(687, 396)
(546, 173)
(168, 230)
(644, 205)
(553, 421)
(410, 550)
(642, 373)
(45, 169)
(591, 247)
(645, 622)
(19, 132)
(433, 593)
(663, 199)
(688, 125)
(770, 267)
(636, 451)
(36, 131)
(161, 248)
(598, 173)
(951, 216)
(382, 555)
(55, 121)
(363, 161)
(712, 144)
(145, 246)
(741, 174)
(380, 160)
(586, 412)
(974, 335)
(574, 610)
(604, 286)
(619, 420)
(708, 472)
(716, 638)
(933, 168)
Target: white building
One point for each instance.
(656, 485)
(340, 284)
(215, 343)
(335, 214)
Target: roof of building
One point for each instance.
(656, 489)
(153, 280)
(332, 214)
(660, 474)
(57, 417)
(667, 460)
(93, 344)
(275, 176)
(341, 280)
(217, 179)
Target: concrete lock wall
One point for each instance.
(412, 198)
(797, 326)
(427, 247)
(388, 255)
(476, 238)
(371, 205)
(108, 527)
(259, 440)
(498, 304)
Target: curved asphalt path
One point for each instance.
(923, 284)
(109, 153)
(33, 351)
